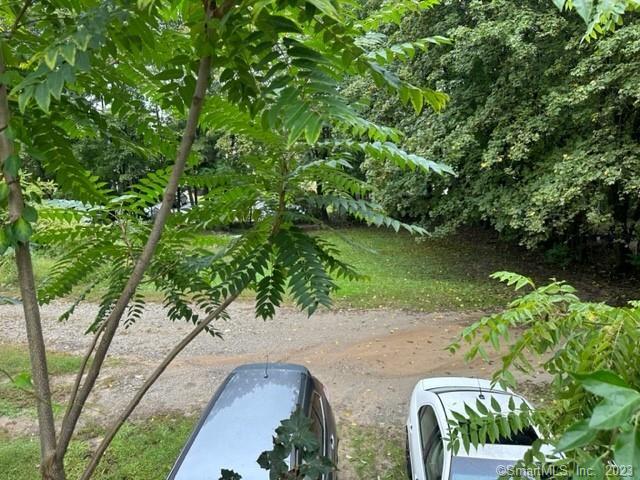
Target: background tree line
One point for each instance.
(543, 130)
(96, 98)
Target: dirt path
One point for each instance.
(368, 360)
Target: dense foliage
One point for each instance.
(601, 16)
(114, 82)
(542, 130)
(589, 350)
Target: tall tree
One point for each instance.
(542, 130)
(265, 71)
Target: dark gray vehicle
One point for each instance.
(241, 419)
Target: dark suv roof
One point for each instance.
(240, 421)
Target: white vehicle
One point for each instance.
(428, 455)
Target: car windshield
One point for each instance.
(468, 468)
(240, 425)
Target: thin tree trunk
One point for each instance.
(83, 367)
(51, 465)
(112, 322)
(113, 430)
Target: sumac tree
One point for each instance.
(269, 72)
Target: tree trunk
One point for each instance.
(111, 323)
(621, 233)
(51, 465)
(113, 430)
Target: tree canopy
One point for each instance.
(123, 77)
(542, 130)
(274, 114)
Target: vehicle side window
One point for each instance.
(317, 419)
(434, 460)
(432, 445)
(428, 424)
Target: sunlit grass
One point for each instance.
(374, 453)
(422, 274)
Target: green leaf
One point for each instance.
(577, 435)
(480, 406)
(51, 57)
(22, 381)
(4, 192)
(172, 74)
(615, 410)
(417, 99)
(68, 52)
(12, 165)
(30, 214)
(494, 431)
(470, 412)
(43, 99)
(82, 39)
(278, 24)
(55, 81)
(21, 230)
(458, 416)
(473, 436)
(313, 130)
(505, 428)
(24, 97)
(601, 383)
(5, 241)
(560, 4)
(326, 7)
(627, 450)
(584, 9)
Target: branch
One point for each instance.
(112, 322)
(223, 9)
(80, 374)
(21, 14)
(113, 430)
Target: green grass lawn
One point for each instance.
(402, 271)
(148, 450)
(141, 451)
(14, 359)
(374, 453)
(421, 274)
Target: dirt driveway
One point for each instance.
(368, 360)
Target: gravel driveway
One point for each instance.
(368, 360)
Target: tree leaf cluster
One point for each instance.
(592, 407)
